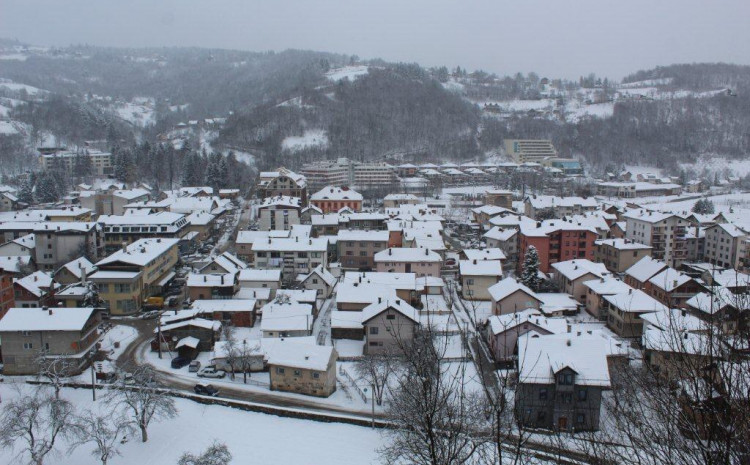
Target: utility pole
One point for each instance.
(93, 379)
(158, 336)
(372, 396)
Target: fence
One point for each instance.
(353, 383)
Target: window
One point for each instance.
(363, 253)
(279, 370)
(390, 317)
(25, 333)
(543, 394)
(567, 397)
(316, 375)
(582, 395)
(28, 345)
(565, 378)
(469, 282)
(296, 372)
(580, 418)
(540, 416)
(315, 281)
(374, 330)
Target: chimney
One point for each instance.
(569, 328)
(390, 252)
(426, 252)
(310, 242)
(125, 247)
(475, 261)
(36, 278)
(296, 238)
(630, 291)
(578, 333)
(222, 279)
(674, 283)
(205, 278)
(83, 272)
(685, 336)
(269, 240)
(568, 343)
(380, 300)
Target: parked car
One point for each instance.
(180, 362)
(206, 390)
(194, 366)
(210, 371)
(150, 315)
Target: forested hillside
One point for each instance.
(296, 106)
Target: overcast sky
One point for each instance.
(556, 38)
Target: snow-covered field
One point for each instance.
(251, 437)
(575, 111)
(139, 114)
(347, 72)
(16, 87)
(311, 138)
(715, 164)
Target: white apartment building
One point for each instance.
(101, 162)
(292, 255)
(724, 245)
(664, 232)
(279, 213)
(346, 172)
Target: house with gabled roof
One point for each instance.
(75, 271)
(511, 296)
(504, 330)
(624, 311)
(477, 276)
(302, 368)
(646, 268)
(561, 379)
(321, 281)
(673, 288)
(224, 263)
(388, 324)
(571, 274)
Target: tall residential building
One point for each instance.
(101, 162)
(524, 151)
(664, 232)
(346, 172)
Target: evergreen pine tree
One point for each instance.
(46, 188)
(530, 274)
(26, 191)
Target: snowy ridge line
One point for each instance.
(287, 412)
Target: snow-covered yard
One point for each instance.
(251, 437)
(347, 72)
(310, 138)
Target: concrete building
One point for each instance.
(292, 255)
(619, 254)
(282, 182)
(561, 379)
(388, 323)
(570, 276)
(477, 276)
(396, 200)
(664, 232)
(357, 248)
(724, 244)
(625, 309)
(550, 206)
(346, 172)
(132, 228)
(279, 213)
(504, 331)
(303, 368)
(60, 242)
(69, 333)
(332, 199)
(524, 151)
(100, 162)
(113, 202)
(422, 262)
(556, 241)
(510, 296)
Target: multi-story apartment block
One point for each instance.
(664, 232)
(282, 182)
(524, 151)
(724, 245)
(556, 241)
(131, 228)
(292, 255)
(58, 332)
(550, 206)
(357, 248)
(279, 213)
(100, 162)
(113, 202)
(346, 172)
(57, 243)
(619, 254)
(135, 272)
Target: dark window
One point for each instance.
(565, 378)
(543, 394)
(582, 395)
(567, 397)
(390, 317)
(580, 418)
(540, 416)
(373, 330)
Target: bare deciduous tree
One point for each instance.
(54, 370)
(36, 421)
(216, 454)
(146, 399)
(376, 370)
(106, 432)
(435, 417)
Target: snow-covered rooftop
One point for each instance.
(480, 268)
(541, 358)
(635, 301)
(305, 356)
(409, 255)
(645, 268)
(574, 269)
(506, 287)
(399, 305)
(141, 252)
(252, 275)
(336, 193)
(43, 319)
(485, 254)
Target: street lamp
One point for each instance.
(92, 354)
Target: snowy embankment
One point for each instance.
(347, 72)
(310, 138)
(251, 437)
